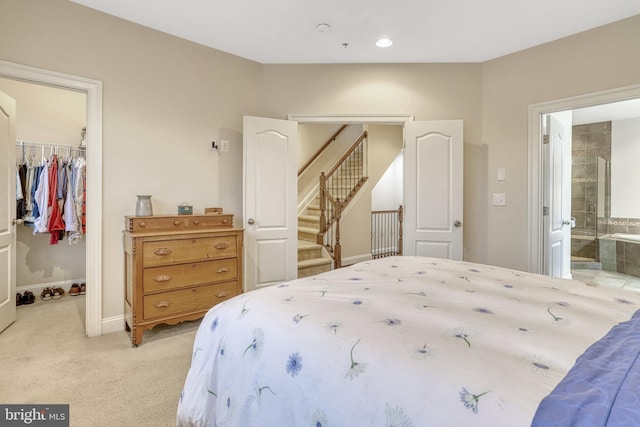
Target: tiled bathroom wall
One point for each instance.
(620, 256)
(591, 204)
(590, 142)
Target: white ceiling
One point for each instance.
(424, 31)
(621, 110)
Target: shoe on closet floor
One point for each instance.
(28, 297)
(74, 290)
(46, 295)
(19, 299)
(57, 293)
(83, 288)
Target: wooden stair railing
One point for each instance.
(321, 149)
(386, 233)
(337, 189)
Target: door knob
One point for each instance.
(251, 221)
(17, 221)
(457, 223)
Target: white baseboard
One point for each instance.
(113, 324)
(39, 287)
(356, 259)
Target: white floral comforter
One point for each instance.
(401, 341)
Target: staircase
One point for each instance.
(340, 184)
(312, 257)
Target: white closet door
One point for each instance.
(7, 211)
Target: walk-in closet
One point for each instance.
(50, 260)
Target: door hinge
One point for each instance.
(545, 139)
(545, 211)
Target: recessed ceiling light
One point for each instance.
(323, 28)
(384, 42)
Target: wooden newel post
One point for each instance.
(337, 249)
(400, 218)
(323, 203)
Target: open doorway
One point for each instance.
(48, 143)
(93, 91)
(432, 176)
(605, 127)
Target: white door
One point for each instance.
(433, 189)
(270, 154)
(7, 211)
(557, 195)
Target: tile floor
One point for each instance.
(607, 278)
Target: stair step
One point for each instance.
(309, 221)
(306, 217)
(308, 251)
(313, 211)
(307, 233)
(313, 266)
(313, 262)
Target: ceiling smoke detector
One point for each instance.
(323, 28)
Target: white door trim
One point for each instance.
(535, 245)
(387, 119)
(93, 89)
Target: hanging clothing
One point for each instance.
(21, 189)
(72, 224)
(51, 197)
(40, 223)
(35, 213)
(55, 224)
(80, 191)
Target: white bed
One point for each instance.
(400, 341)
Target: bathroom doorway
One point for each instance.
(599, 209)
(605, 240)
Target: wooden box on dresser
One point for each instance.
(177, 267)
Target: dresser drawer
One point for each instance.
(191, 300)
(177, 276)
(211, 221)
(188, 250)
(170, 223)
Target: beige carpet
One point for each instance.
(45, 357)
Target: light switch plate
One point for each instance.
(502, 174)
(224, 146)
(499, 199)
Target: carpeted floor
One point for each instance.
(45, 358)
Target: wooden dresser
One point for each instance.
(177, 267)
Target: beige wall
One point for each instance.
(604, 58)
(55, 116)
(428, 91)
(165, 99)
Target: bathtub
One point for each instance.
(633, 238)
(619, 252)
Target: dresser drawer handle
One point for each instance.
(224, 221)
(162, 278)
(162, 304)
(176, 223)
(143, 224)
(223, 270)
(196, 222)
(162, 251)
(222, 294)
(222, 245)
